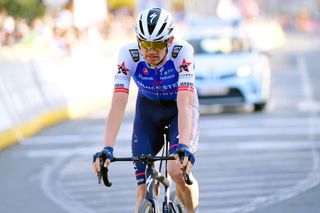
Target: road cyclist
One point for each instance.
(163, 69)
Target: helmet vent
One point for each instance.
(159, 39)
(151, 28)
(141, 27)
(162, 28)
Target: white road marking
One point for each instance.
(204, 146)
(309, 104)
(257, 131)
(218, 128)
(263, 122)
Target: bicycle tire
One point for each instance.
(177, 204)
(146, 207)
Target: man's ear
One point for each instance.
(171, 39)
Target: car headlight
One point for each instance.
(244, 71)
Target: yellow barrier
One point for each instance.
(13, 135)
(75, 110)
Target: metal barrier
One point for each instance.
(43, 90)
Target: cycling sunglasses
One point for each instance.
(158, 45)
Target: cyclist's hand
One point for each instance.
(186, 158)
(108, 151)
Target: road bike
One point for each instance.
(171, 203)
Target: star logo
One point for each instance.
(184, 66)
(145, 71)
(122, 68)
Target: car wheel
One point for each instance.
(259, 107)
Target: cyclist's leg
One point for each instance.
(145, 140)
(188, 194)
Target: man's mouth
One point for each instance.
(153, 57)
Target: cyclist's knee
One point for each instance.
(175, 173)
(141, 192)
(140, 196)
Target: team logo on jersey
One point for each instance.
(184, 66)
(122, 69)
(145, 71)
(134, 54)
(176, 50)
(119, 86)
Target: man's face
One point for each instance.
(154, 52)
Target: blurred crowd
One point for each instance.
(301, 17)
(58, 30)
(303, 21)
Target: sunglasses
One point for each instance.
(157, 46)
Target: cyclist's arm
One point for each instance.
(120, 95)
(184, 64)
(184, 102)
(116, 113)
(113, 121)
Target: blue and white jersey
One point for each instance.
(161, 83)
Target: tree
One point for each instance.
(27, 9)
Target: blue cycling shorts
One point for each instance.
(147, 137)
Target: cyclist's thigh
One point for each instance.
(147, 137)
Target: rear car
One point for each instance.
(230, 71)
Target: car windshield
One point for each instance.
(220, 45)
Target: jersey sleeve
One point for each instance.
(124, 69)
(185, 65)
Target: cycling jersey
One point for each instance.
(156, 102)
(160, 83)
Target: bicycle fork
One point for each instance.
(151, 194)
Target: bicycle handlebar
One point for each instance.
(143, 158)
(103, 174)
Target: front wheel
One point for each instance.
(259, 107)
(146, 207)
(177, 204)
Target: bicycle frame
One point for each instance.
(152, 175)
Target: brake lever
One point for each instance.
(184, 169)
(99, 177)
(186, 176)
(103, 173)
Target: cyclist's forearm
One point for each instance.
(184, 101)
(113, 122)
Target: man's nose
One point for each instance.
(152, 50)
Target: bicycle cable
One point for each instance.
(162, 155)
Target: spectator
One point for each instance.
(8, 30)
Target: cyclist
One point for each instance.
(162, 68)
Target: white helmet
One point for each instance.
(154, 24)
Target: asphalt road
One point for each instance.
(246, 162)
